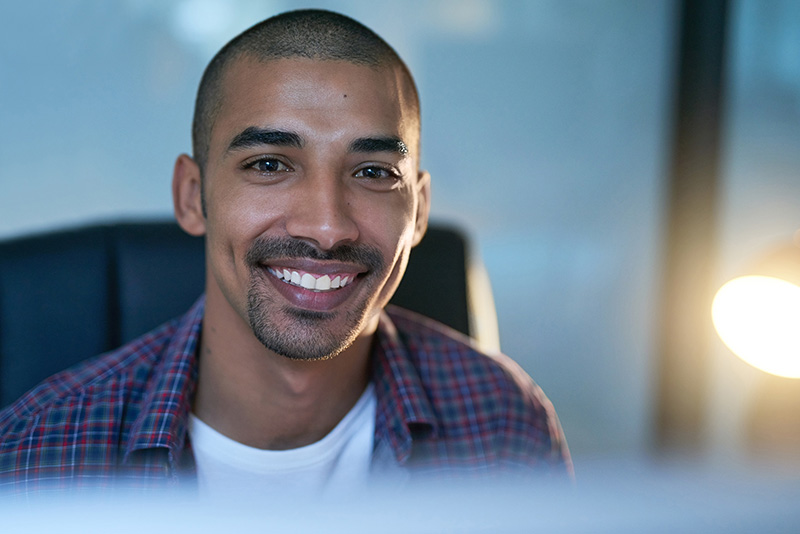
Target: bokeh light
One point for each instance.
(758, 318)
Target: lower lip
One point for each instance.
(312, 300)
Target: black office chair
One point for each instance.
(72, 294)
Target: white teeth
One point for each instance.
(323, 283)
(307, 280)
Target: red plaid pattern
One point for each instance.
(121, 419)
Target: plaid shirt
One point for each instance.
(121, 419)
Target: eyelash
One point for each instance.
(391, 173)
(252, 163)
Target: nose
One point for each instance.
(321, 213)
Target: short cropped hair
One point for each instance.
(308, 33)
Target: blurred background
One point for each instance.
(560, 134)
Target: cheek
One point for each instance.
(389, 224)
(236, 217)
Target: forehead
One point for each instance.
(314, 97)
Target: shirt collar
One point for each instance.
(403, 409)
(164, 416)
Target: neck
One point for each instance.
(264, 400)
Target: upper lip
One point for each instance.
(321, 267)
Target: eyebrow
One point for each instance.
(391, 144)
(253, 136)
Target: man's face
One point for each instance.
(313, 200)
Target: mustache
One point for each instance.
(264, 249)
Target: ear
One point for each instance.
(187, 199)
(423, 205)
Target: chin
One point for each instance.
(305, 335)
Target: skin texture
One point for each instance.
(281, 365)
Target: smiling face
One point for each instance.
(313, 200)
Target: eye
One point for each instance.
(266, 165)
(377, 173)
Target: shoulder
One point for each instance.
(96, 383)
(488, 397)
(447, 358)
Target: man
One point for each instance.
(289, 375)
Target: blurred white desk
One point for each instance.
(606, 498)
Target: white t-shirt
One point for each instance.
(336, 464)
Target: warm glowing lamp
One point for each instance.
(758, 316)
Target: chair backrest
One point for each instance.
(72, 294)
